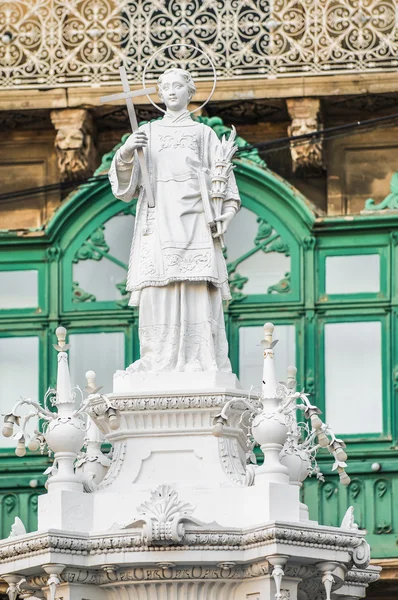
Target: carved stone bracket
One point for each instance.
(163, 516)
(74, 143)
(278, 562)
(53, 570)
(13, 580)
(307, 154)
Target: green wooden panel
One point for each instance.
(22, 504)
(371, 495)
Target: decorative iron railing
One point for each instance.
(59, 43)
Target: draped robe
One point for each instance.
(177, 273)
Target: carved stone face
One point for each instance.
(69, 138)
(306, 156)
(174, 92)
(74, 142)
(74, 149)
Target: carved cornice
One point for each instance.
(195, 538)
(362, 577)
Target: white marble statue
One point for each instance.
(177, 273)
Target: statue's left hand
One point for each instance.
(225, 220)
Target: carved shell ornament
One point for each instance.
(164, 505)
(163, 514)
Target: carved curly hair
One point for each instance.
(182, 73)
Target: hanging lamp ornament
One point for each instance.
(164, 49)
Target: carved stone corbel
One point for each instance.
(307, 155)
(13, 579)
(333, 575)
(74, 143)
(163, 516)
(53, 570)
(278, 562)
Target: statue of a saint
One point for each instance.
(177, 273)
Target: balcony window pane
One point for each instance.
(19, 289)
(119, 234)
(100, 352)
(262, 269)
(19, 377)
(353, 274)
(245, 221)
(251, 353)
(353, 377)
(100, 277)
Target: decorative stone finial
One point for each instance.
(90, 377)
(269, 376)
(268, 331)
(91, 387)
(61, 346)
(60, 332)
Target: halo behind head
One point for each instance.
(198, 108)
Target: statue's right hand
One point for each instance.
(138, 139)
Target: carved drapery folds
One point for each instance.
(74, 143)
(307, 155)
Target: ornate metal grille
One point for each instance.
(55, 43)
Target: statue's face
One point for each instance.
(174, 91)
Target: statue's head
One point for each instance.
(176, 88)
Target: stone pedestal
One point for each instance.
(179, 515)
(65, 510)
(125, 382)
(168, 439)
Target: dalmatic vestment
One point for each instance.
(177, 273)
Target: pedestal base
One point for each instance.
(204, 381)
(65, 510)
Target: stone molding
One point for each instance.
(161, 403)
(108, 575)
(169, 571)
(195, 538)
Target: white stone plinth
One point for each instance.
(184, 382)
(179, 515)
(65, 510)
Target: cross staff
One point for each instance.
(128, 95)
